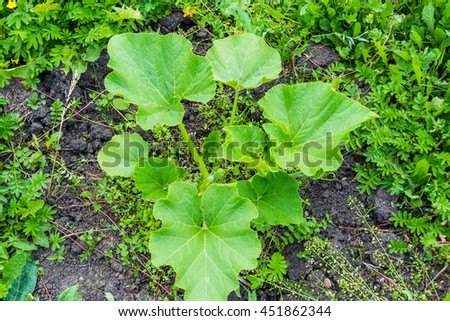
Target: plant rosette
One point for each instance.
(206, 233)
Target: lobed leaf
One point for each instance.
(244, 61)
(207, 240)
(309, 123)
(243, 144)
(276, 198)
(156, 72)
(155, 176)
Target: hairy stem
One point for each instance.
(197, 158)
(235, 107)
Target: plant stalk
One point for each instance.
(235, 107)
(197, 158)
(296, 174)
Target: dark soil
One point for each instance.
(345, 233)
(317, 55)
(86, 133)
(174, 21)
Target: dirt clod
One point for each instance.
(173, 21)
(383, 207)
(101, 133)
(36, 128)
(317, 54)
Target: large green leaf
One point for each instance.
(275, 196)
(155, 176)
(11, 271)
(243, 144)
(244, 61)
(119, 156)
(207, 240)
(24, 284)
(155, 72)
(309, 122)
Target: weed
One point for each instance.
(91, 238)
(24, 215)
(41, 36)
(36, 100)
(400, 277)
(59, 256)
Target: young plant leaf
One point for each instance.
(40, 238)
(243, 144)
(70, 294)
(244, 61)
(155, 72)
(154, 177)
(309, 122)
(211, 146)
(276, 198)
(207, 240)
(119, 156)
(421, 170)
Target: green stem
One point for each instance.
(197, 158)
(235, 107)
(297, 174)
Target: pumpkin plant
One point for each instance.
(206, 234)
